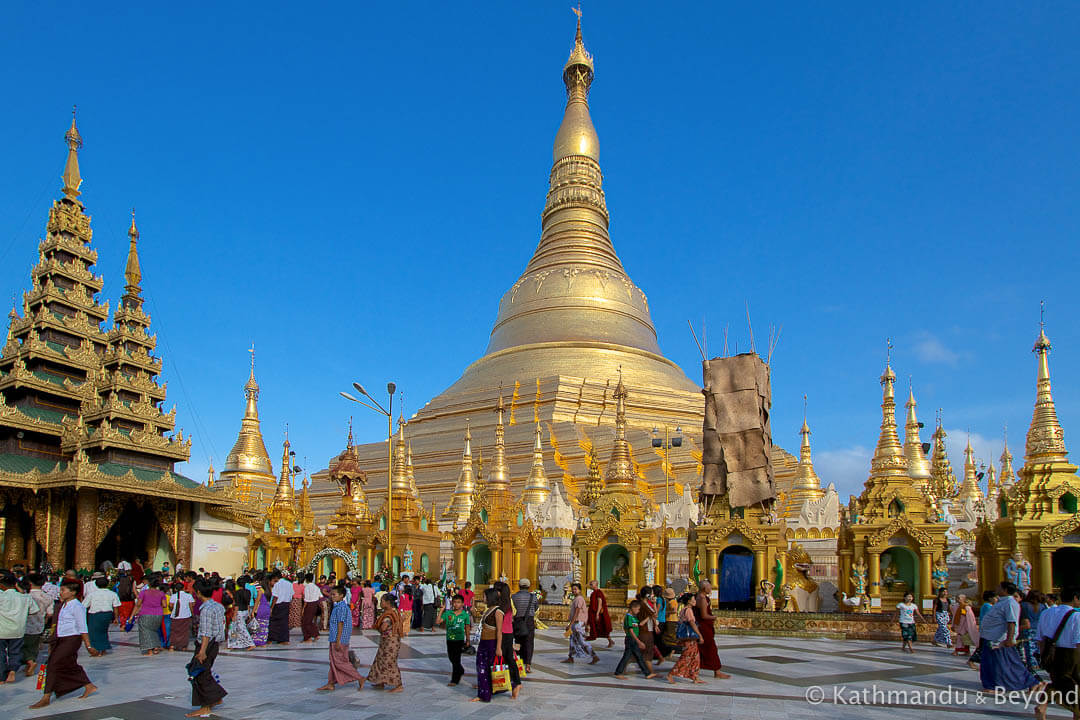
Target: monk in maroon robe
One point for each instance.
(710, 658)
(599, 625)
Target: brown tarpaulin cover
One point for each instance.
(737, 437)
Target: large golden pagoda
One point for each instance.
(565, 327)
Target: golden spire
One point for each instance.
(574, 306)
(537, 488)
(1008, 477)
(248, 454)
(619, 474)
(132, 271)
(991, 481)
(577, 136)
(969, 489)
(889, 460)
(460, 505)
(1045, 438)
(285, 493)
(210, 474)
(943, 481)
(399, 483)
(71, 177)
(807, 484)
(918, 465)
(499, 478)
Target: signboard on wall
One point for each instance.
(211, 548)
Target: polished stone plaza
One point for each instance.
(772, 680)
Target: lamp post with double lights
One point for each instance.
(667, 442)
(388, 411)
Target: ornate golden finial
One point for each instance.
(349, 441)
(943, 481)
(577, 136)
(969, 489)
(807, 484)
(132, 271)
(210, 474)
(1007, 477)
(619, 473)
(499, 478)
(889, 457)
(1045, 438)
(537, 488)
(71, 177)
(460, 505)
(399, 483)
(919, 468)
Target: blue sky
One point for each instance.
(352, 188)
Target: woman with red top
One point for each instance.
(504, 653)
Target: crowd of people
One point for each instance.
(1011, 639)
(45, 619)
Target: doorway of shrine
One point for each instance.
(478, 565)
(736, 591)
(1066, 566)
(899, 575)
(135, 534)
(614, 570)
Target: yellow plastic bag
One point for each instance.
(521, 665)
(500, 678)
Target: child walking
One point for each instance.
(907, 611)
(458, 624)
(634, 645)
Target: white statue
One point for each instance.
(577, 568)
(649, 566)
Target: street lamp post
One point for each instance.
(388, 411)
(667, 443)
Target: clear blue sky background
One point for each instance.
(352, 188)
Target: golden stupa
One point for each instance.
(562, 333)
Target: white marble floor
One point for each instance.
(772, 680)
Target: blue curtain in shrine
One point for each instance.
(736, 577)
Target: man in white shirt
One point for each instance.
(63, 674)
(1064, 669)
(427, 591)
(312, 598)
(15, 608)
(1000, 665)
(280, 598)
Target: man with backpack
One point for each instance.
(1059, 636)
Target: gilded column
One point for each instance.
(845, 574)
(496, 563)
(86, 506)
(633, 570)
(714, 568)
(875, 574)
(369, 561)
(661, 568)
(14, 542)
(517, 568)
(590, 567)
(184, 511)
(1046, 572)
(926, 589)
(759, 569)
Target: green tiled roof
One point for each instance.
(20, 464)
(144, 474)
(49, 415)
(49, 377)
